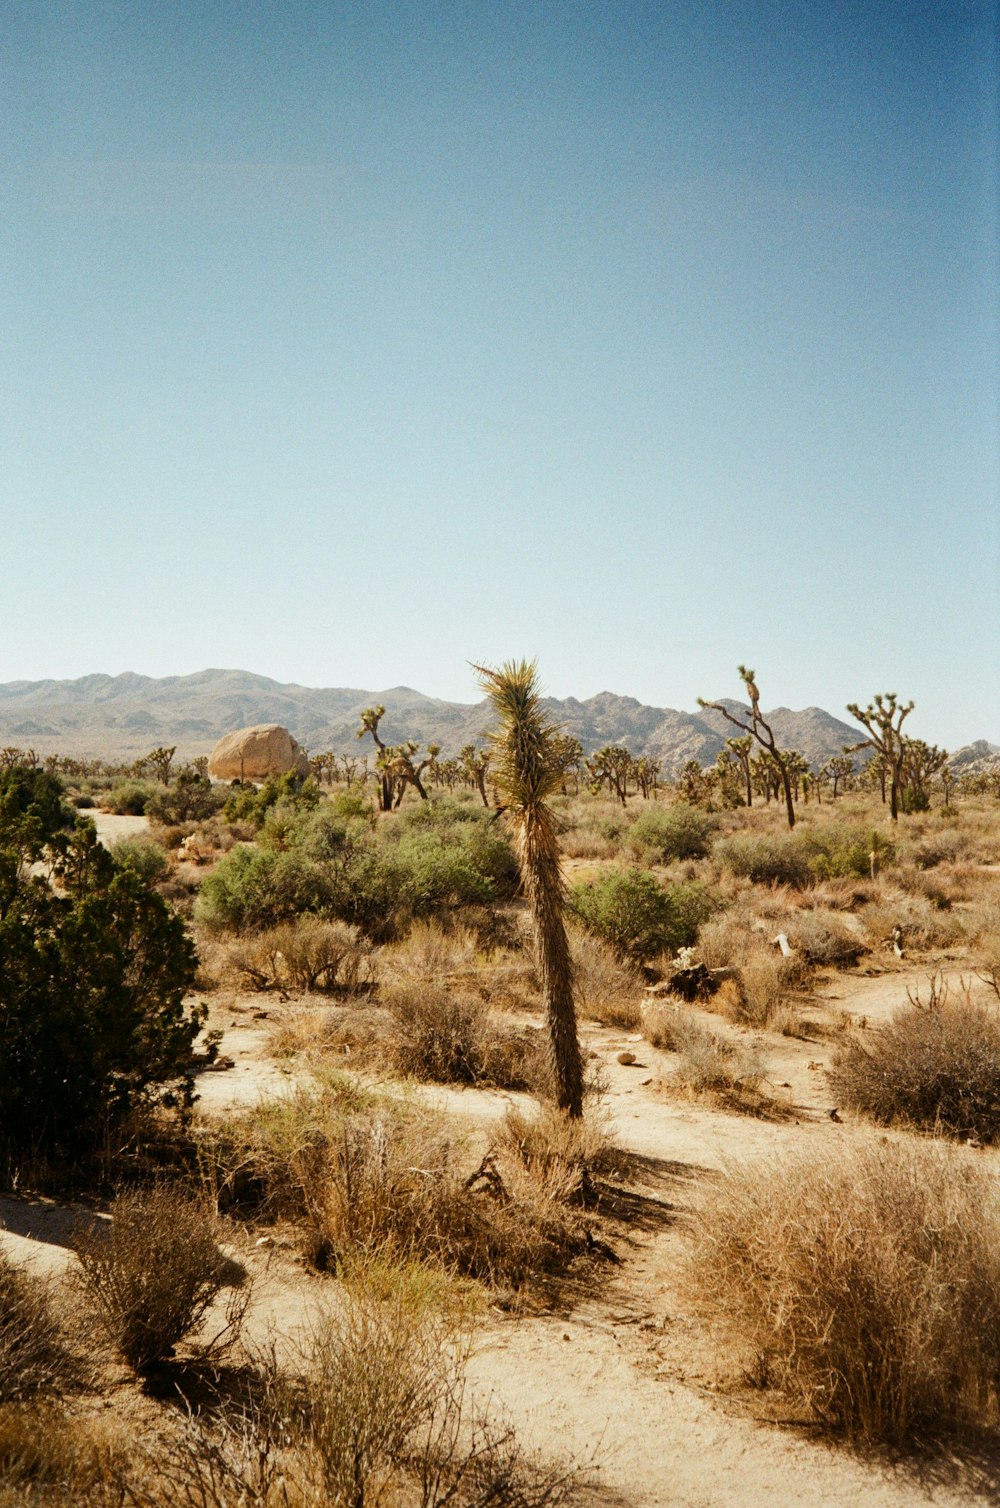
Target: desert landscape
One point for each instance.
(329, 1178)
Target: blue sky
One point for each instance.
(350, 342)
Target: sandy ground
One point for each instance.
(618, 1379)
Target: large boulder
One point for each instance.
(255, 753)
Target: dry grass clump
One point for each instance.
(34, 1356)
(50, 1456)
(922, 923)
(824, 938)
(729, 1073)
(864, 1283)
(505, 976)
(936, 1065)
(377, 1412)
(452, 1037)
(153, 1274)
(606, 988)
(374, 1175)
(305, 954)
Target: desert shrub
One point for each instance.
(823, 937)
(606, 987)
(191, 797)
(842, 851)
(766, 859)
(865, 1283)
(141, 856)
(729, 1072)
(935, 1065)
(764, 983)
(308, 953)
(672, 832)
(33, 810)
(452, 1037)
(250, 803)
(252, 888)
(93, 1020)
(34, 1357)
(153, 1275)
(362, 1174)
(639, 917)
(129, 798)
(920, 922)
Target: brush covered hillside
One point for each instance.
(99, 716)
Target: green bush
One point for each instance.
(33, 810)
(190, 798)
(767, 860)
(845, 852)
(92, 1013)
(251, 888)
(141, 856)
(672, 832)
(247, 803)
(639, 917)
(129, 798)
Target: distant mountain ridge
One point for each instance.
(124, 716)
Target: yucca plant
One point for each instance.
(527, 769)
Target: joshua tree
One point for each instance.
(884, 720)
(840, 767)
(527, 772)
(760, 731)
(473, 764)
(742, 748)
(611, 766)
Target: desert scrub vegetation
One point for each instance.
(35, 1357)
(637, 916)
(153, 1271)
(935, 1065)
(606, 986)
(94, 1020)
(666, 833)
(727, 1072)
(306, 954)
(864, 1283)
(451, 1036)
(428, 861)
(360, 1173)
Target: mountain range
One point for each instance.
(121, 717)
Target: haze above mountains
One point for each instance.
(124, 716)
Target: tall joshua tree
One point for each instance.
(883, 721)
(760, 732)
(527, 769)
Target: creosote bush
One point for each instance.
(638, 916)
(153, 1275)
(863, 1282)
(936, 1065)
(665, 833)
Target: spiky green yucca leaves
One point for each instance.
(526, 766)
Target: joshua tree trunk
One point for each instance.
(526, 771)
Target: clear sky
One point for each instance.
(348, 342)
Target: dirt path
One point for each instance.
(621, 1380)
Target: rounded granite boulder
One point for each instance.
(256, 753)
